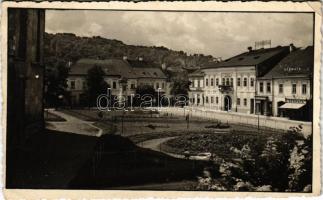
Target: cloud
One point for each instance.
(221, 34)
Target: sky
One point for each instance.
(220, 34)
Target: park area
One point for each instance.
(148, 149)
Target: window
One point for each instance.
(217, 81)
(231, 81)
(227, 81)
(132, 86)
(192, 83)
(216, 100)
(163, 85)
(294, 88)
(84, 85)
(252, 82)
(261, 87)
(157, 85)
(304, 89)
(245, 82)
(212, 99)
(268, 87)
(281, 88)
(245, 102)
(206, 82)
(72, 85)
(223, 81)
(206, 99)
(114, 85)
(238, 101)
(238, 81)
(212, 82)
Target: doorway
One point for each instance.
(227, 103)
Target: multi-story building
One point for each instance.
(122, 75)
(286, 89)
(196, 94)
(231, 84)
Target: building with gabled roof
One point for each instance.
(196, 95)
(122, 75)
(231, 84)
(291, 80)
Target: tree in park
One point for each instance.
(56, 83)
(144, 93)
(180, 85)
(96, 84)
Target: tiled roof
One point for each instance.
(298, 63)
(196, 73)
(250, 58)
(118, 67)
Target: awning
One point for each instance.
(292, 105)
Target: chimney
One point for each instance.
(125, 58)
(250, 49)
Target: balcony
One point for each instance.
(225, 88)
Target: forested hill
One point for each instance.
(65, 47)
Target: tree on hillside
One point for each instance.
(96, 84)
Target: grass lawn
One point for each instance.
(218, 143)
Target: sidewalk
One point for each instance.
(73, 125)
(265, 122)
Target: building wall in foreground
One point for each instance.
(25, 73)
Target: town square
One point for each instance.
(160, 100)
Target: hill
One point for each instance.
(67, 47)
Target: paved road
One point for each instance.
(73, 125)
(155, 144)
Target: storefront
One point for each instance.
(295, 109)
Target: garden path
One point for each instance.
(155, 144)
(73, 125)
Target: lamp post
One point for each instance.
(158, 95)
